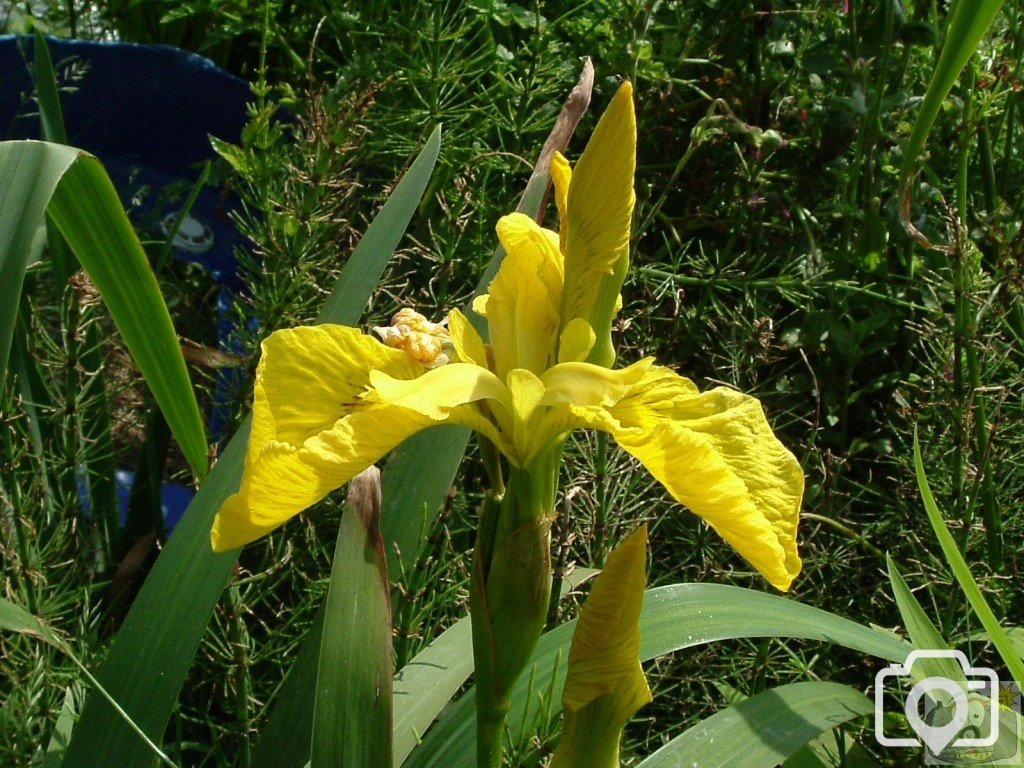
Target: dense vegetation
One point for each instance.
(768, 255)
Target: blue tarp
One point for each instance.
(147, 112)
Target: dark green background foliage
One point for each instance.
(768, 256)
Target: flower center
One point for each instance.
(424, 341)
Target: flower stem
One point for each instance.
(510, 587)
(601, 513)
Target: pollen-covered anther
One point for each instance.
(424, 341)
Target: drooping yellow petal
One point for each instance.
(561, 176)
(284, 479)
(599, 209)
(439, 390)
(524, 298)
(714, 452)
(309, 377)
(605, 684)
(312, 429)
(448, 394)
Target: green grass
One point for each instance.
(779, 267)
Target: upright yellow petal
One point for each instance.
(561, 177)
(467, 342)
(599, 210)
(714, 452)
(524, 298)
(312, 429)
(576, 341)
(605, 684)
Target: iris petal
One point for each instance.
(561, 176)
(467, 342)
(714, 452)
(524, 298)
(605, 684)
(284, 479)
(448, 394)
(598, 213)
(312, 429)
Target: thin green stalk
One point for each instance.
(988, 171)
(971, 402)
(868, 134)
(20, 534)
(238, 637)
(778, 283)
(561, 544)
(601, 513)
(846, 530)
(165, 255)
(159, 753)
(961, 318)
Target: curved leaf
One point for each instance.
(150, 656)
(762, 731)
(674, 617)
(72, 187)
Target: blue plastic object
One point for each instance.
(147, 111)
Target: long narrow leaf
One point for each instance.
(922, 632)
(962, 573)
(14, 618)
(967, 26)
(95, 429)
(762, 731)
(150, 656)
(28, 179)
(674, 617)
(352, 713)
(86, 209)
(50, 114)
(51, 123)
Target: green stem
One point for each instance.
(510, 590)
(961, 316)
(239, 643)
(601, 513)
(846, 530)
(489, 732)
(20, 534)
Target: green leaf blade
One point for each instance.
(962, 573)
(352, 713)
(762, 731)
(148, 660)
(30, 176)
(86, 209)
(674, 617)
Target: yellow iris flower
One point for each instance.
(331, 400)
(605, 684)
